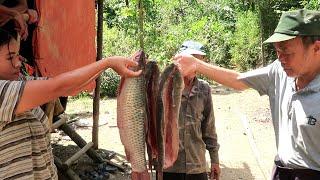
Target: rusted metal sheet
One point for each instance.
(65, 37)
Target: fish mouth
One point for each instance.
(141, 58)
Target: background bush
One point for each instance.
(109, 83)
(246, 38)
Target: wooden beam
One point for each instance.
(81, 143)
(58, 123)
(65, 170)
(77, 155)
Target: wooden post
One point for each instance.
(96, 99)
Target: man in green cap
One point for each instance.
(292, 83)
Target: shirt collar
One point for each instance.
(314, 85)
(194, 89)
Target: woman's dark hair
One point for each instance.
(7, 32)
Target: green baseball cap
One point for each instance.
(295, 23)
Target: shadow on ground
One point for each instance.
(80, 115)
(236, 173)
(222, 90)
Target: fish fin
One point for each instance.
(127, 154)
(120, 85)
(159, 175)
(140, 175)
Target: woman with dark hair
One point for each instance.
(25, 150)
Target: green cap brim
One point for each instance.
(277, 37)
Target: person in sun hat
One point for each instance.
(292, 83)
(196, 126)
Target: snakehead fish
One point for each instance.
(131, 119)
(152, 74)
(169, 100)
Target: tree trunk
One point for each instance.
(263, 59)
(140, 20)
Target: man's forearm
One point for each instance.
(214, 157)
(221, 75)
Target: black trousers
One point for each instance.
(283, 173)
(184, 176)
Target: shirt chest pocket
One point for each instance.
(194, 110)
(306, 114)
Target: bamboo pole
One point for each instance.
(96, 99)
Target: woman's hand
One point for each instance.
(33, 16)
(122, 66)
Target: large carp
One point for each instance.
(131, 119)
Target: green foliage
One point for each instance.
(232, 30)
(246, 42)
(81, 95)
(313, 4)
(117, 42)
(109, 83)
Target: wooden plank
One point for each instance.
(65, 170)
(116, 165)
(77, 155)
(58, 123)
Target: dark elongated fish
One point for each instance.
(169, 100)
(152, 83)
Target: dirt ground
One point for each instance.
(243, 122)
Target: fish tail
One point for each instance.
(140, 175)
